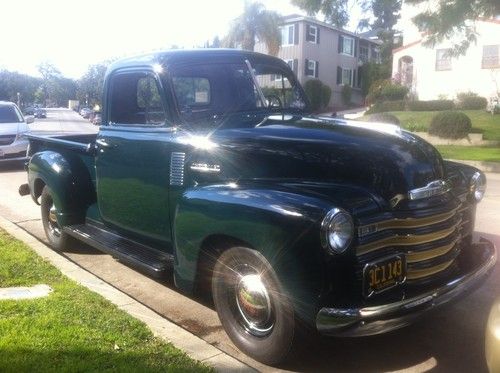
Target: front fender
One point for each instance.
(281, 224)
(69, 181)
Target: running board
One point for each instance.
(152, 261)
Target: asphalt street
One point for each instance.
(448, 340)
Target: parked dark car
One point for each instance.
(40, 113)
(86, 112)
(209, 166)
(97, 119)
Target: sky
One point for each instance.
(75, 34)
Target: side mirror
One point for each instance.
(29, 119)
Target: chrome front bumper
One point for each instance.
(379, 319)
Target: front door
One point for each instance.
(133, 159)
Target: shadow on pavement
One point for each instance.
(8, 166)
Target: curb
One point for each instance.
(483, 166)
(193, 346)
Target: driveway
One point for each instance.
(449, 340)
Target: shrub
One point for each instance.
(386, 90)
(318, 93)
(431, 105)
(450, 125)
(381, 107)
(346, 94)
(471, 101)
(384, 118)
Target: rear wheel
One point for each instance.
(55, 235)
(252, 306)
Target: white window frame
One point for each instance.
(315, 34)
(351, 40)
(350, 83)
(312, 72)
(290, 63)
(287, 33)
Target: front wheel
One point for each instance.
(252, 306)
(55, 235)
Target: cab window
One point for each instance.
(134, 99)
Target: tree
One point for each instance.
(255, 22)
(56, 89)
(335, 11)
(453, 19)
(12, 83)
(90, 84)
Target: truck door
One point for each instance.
(133, 158)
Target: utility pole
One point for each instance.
(18, 99)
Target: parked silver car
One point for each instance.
(13, 128)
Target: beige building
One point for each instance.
(317, 50)
(431, 73)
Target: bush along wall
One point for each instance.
(471, 101)
(431, 105)
(318, 94)
(450, 125)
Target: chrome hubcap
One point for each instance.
(254, 305)
(53, 225)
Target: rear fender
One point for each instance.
(68, 179)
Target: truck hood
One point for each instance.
(382, 158)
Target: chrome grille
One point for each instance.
(430, 240)
(177, 168)
(7, 139)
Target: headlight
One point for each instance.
(337, 230)
(478, 186)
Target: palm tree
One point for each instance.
(255, 21)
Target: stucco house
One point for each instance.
(432, 73)
(317, 50)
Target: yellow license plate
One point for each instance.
(384, 274)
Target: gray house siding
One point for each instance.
(326, 54)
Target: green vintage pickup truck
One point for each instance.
(209, 168)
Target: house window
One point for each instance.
(311, 68)
(346, 45)
(443, 59)
(287, 35)
(344, 76)
(376, 55)
(312, 34)
(363, 53)
(290, 63)
(490, 57)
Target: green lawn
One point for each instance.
(73, 329)
(482, 121)
(472, 153)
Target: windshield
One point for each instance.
(208, 90)
(8, 114)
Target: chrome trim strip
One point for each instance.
(386, 317)
(416, 274)
(404, 240)
(418, 256)
(434, 188)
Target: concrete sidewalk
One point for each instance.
(194, 346)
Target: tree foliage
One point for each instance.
(255, 22)
(91, 83)
(335, 12)
(55, 89)
(13, 82)
(453, 19)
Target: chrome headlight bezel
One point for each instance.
(335, 218)
(477, 186)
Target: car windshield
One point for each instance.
(208, 90)
(8, 114)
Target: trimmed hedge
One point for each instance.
(381, 107)
(386, 90)
(431, 105)
(318, 93)
(450, 125)
(471, 101)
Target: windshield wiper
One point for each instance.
(257, 86)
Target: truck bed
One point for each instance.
(83, 143)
